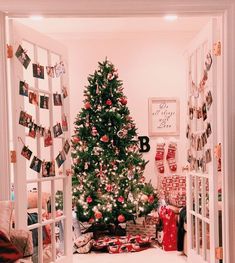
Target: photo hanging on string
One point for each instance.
(64, 92)
(60, 159)
(47, 138)
(57, 99)
(23, 88)
(22, 56)
(57, 130)
(44, 102)
(25, 119)
(50, 71)
(66, 147)
(26, 152)
(36, 164)
(64, 123)
(47, 169)
(38, 71)
(33, 98)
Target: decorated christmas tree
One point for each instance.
(108, 181)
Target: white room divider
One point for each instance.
(44, 195)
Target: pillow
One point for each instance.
(8, 252)
(6, 208)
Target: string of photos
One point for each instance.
(26, 120)
(198, 139)
(41, 100)
(38, 70)
(46, 168)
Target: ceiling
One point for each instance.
(109, 7)
(118, 24)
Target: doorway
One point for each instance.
(143, 64)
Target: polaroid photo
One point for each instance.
(57, 99)
(44, 102)
(209, 100)
(38, 71)
(52, 168)
(204, 111)
(33, 98)
(66, 147)
(25, 119)
(46, 167)
(208, 156)
(36, 164)
(33, 130)
(22, 56)
(47, 138)
(41, 131)
(57, 130)
(60, 159)
(64, 123)
(26, 152)
(50, 71)
(59, 69)
(208, 130)
(64, 92)
(24, 88)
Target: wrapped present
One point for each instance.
(177, 198)
(152, 218)
(173, 189)
(169, 237)
(139, 227)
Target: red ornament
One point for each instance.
(123, 101)
(120, 199)
(76, 139)
(87, 105)
(98, 215)
(104, 138)
(108, 102)
(89, 200)
(91, 220)
(121, 218)
(109, 187)
(151, 199)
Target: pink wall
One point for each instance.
(151, 64)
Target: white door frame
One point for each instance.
(151, 8)
(4, 134)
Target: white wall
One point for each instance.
(151, 64)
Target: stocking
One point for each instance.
(171, 156)
(160, 157)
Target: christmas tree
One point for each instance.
(108, 181)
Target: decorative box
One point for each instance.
(139, 227)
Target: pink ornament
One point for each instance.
(108, 102)
(89, 200)
(121, 218)
(110, 76)
(120, 199)
(144, 198)
(109, 187)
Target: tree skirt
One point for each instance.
(113, 245)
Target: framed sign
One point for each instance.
(163, 116)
